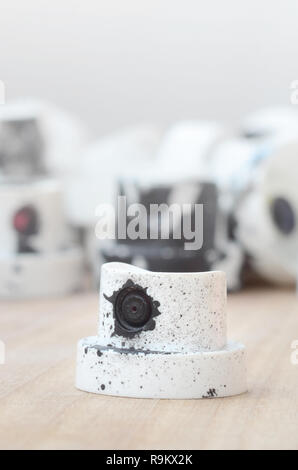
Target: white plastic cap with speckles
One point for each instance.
(161, 335)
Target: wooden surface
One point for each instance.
(41, 409)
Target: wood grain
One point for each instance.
(41, 409)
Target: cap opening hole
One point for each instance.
(283, 215)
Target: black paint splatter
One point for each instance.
(122, 327)
(212, 393)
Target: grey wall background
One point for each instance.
(118, 62)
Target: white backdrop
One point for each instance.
(118, 62)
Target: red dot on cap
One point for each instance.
(21, 220)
